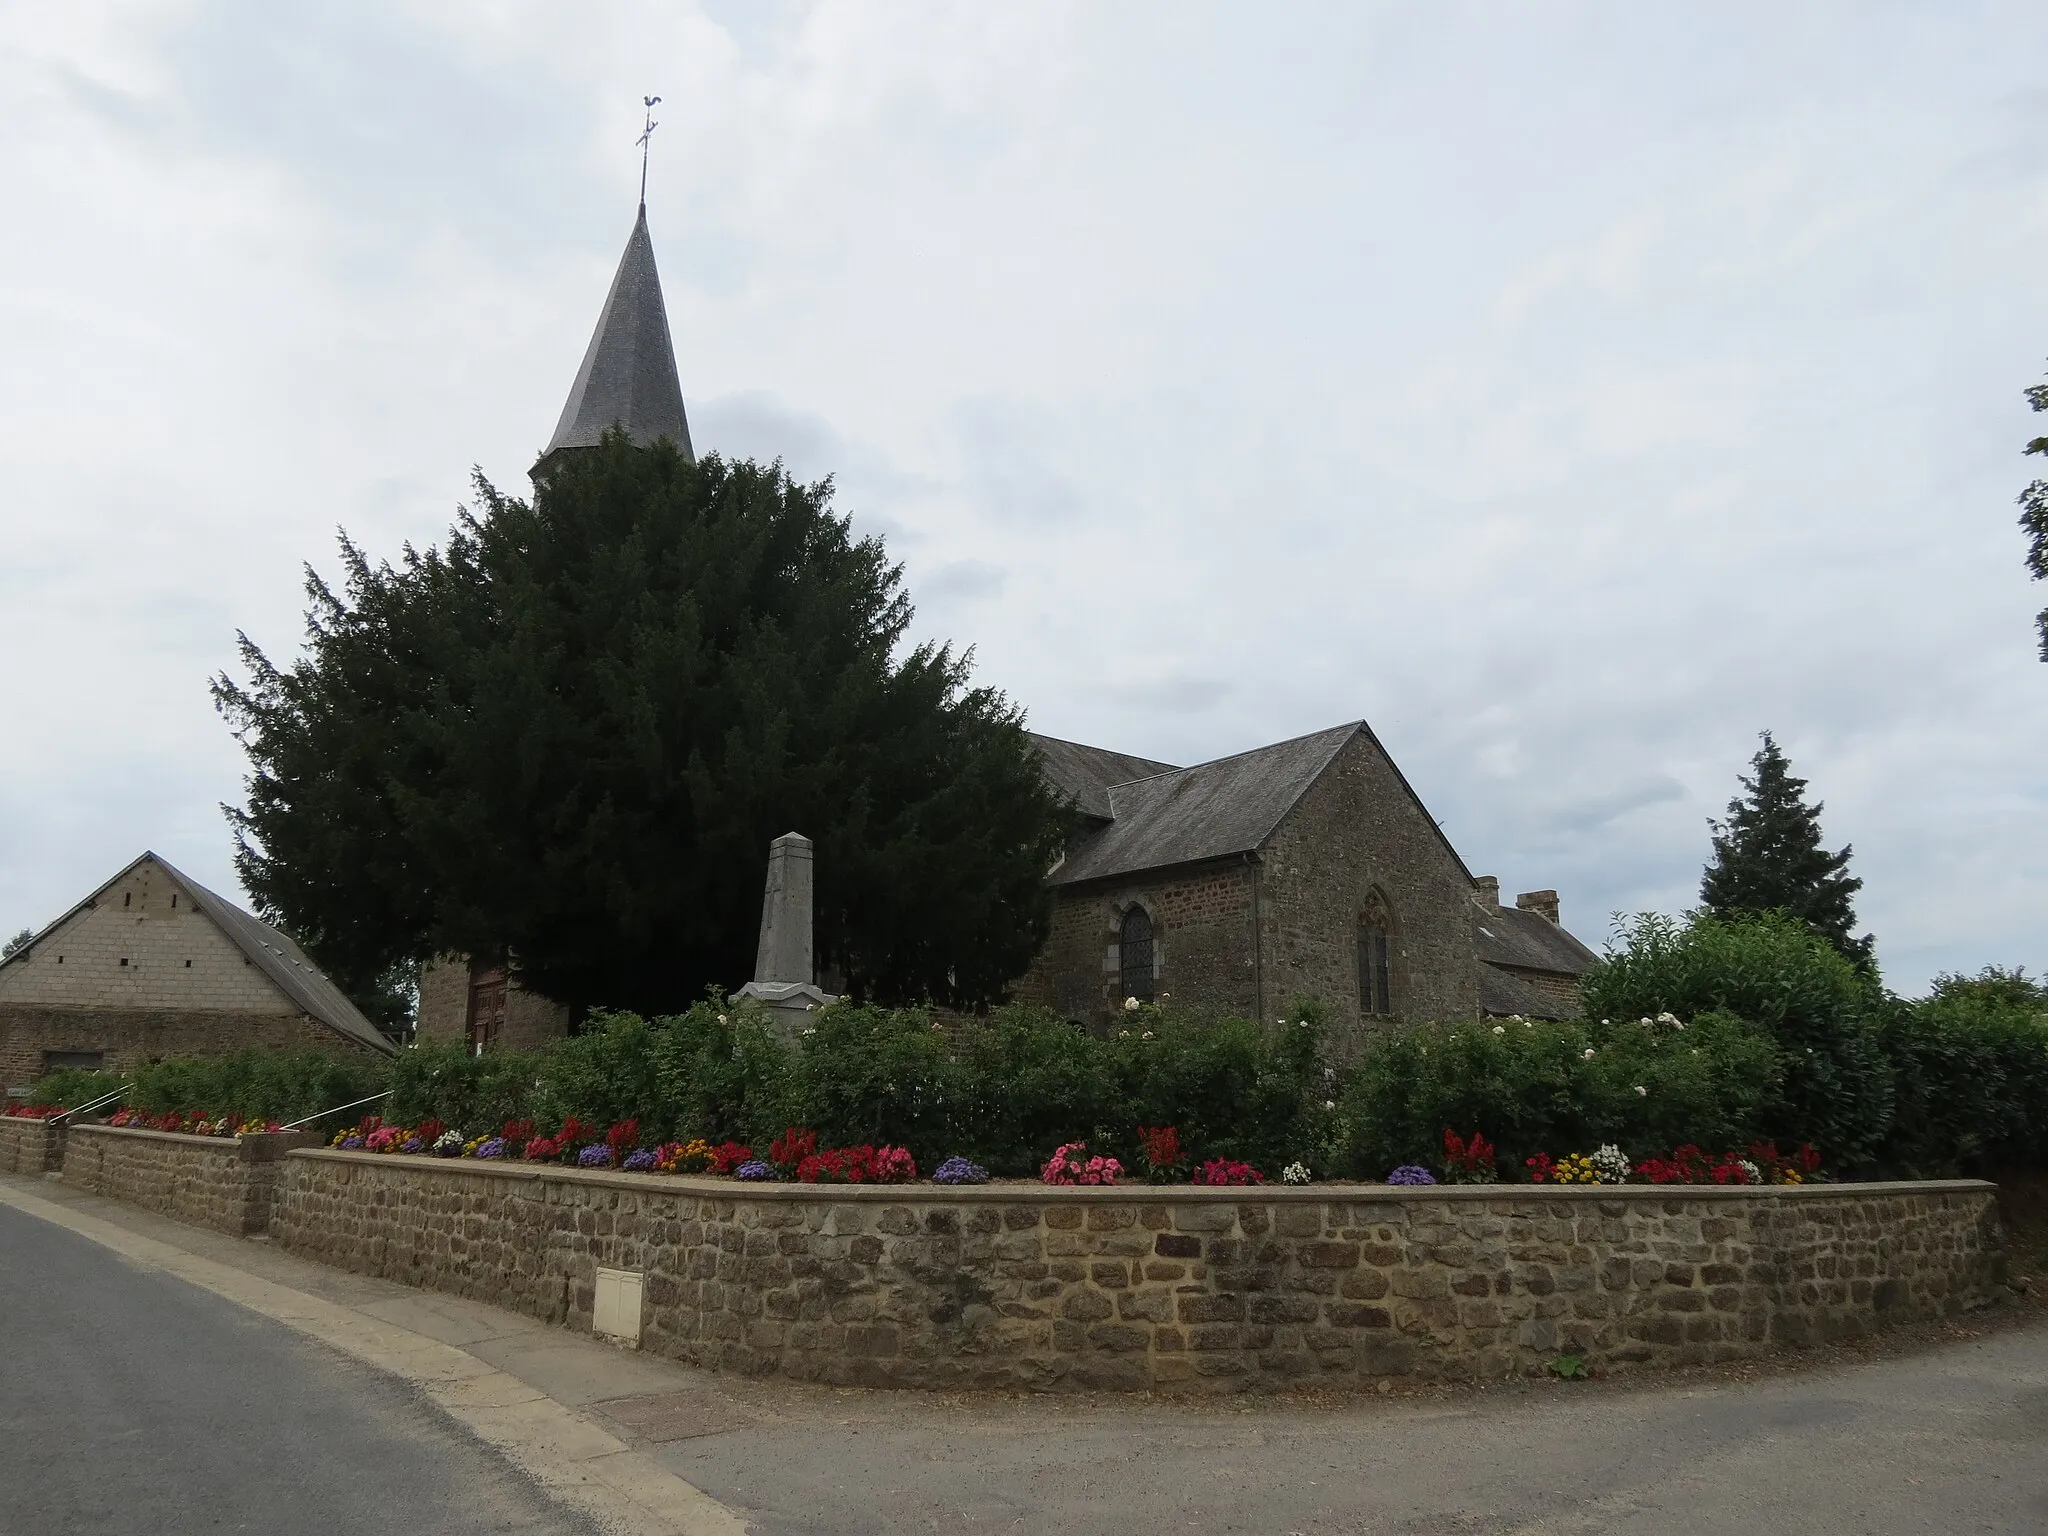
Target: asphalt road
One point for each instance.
(1952, 1439)
(133, 1402)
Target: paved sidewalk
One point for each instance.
(1952, 1436)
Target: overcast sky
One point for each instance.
(1571, 391)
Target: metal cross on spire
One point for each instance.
(646, 134)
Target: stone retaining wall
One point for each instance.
(30, 1147)
(1023, 1286)
(227, 1183)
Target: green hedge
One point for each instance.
(1782, 1039)
(1003, 1091)
(1538, 1086)
(267, 1085)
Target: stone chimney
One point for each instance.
(1542, 903)
(1486, 890)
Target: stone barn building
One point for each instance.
(153, 964)
(1308, 868)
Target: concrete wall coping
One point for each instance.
(927, 1193)
(256, 1147)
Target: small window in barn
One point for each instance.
(126, 897)
(124, 959)
(86, 1061)
(174, 899)
(1135, 952)
(188, 965)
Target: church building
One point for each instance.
(1305, 868)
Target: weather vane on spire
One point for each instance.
(646, 134)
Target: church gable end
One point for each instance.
(1357, 855)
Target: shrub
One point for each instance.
(443, 1081)
(1834, 1084)
(248, 1084)
(1970, 1063)
(1532, 1085)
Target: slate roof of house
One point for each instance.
(628, 375)
(268, 949)
(1528, 941)
(1209, 811)
(1086, 773)
(1501, 995)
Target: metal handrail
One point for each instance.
(79, 1109)
(358, 1104)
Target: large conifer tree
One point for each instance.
(569, 737)
(1768, 858)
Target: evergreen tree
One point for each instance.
(569, 737)
(2034, 516)
(1768, 858)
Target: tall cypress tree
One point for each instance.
(1768, 858)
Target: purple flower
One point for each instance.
(596, 1155)
(413, 1144)
(352, 1144)
(957, 1170)
(641, 1161)
(495, 1147)
(759, 1168)
(1411, 1173)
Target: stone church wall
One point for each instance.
(1358, 830)
(1202, 950)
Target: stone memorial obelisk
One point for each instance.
(784, 970)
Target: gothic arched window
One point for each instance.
(1376, 960)
(1135, 950)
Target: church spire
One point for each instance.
(628, 377)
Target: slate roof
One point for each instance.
(1086, 773)
(1501, 994)
(1510, 936)
(1209, 811)
(628, 375)
(267, 948)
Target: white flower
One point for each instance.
(1294, 1173)
(1329, 1103)
(1130, 1005)
(1500, 1029)
(1516, 1018)
(1123, 1034)
(1302, 1025)
(1587, 1053)
(1611, 1164)
(721, 1018)
(810, 1031)
(1642, 1092)
(1146, 1036)
(1605, 1022)
(1750, 1172)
